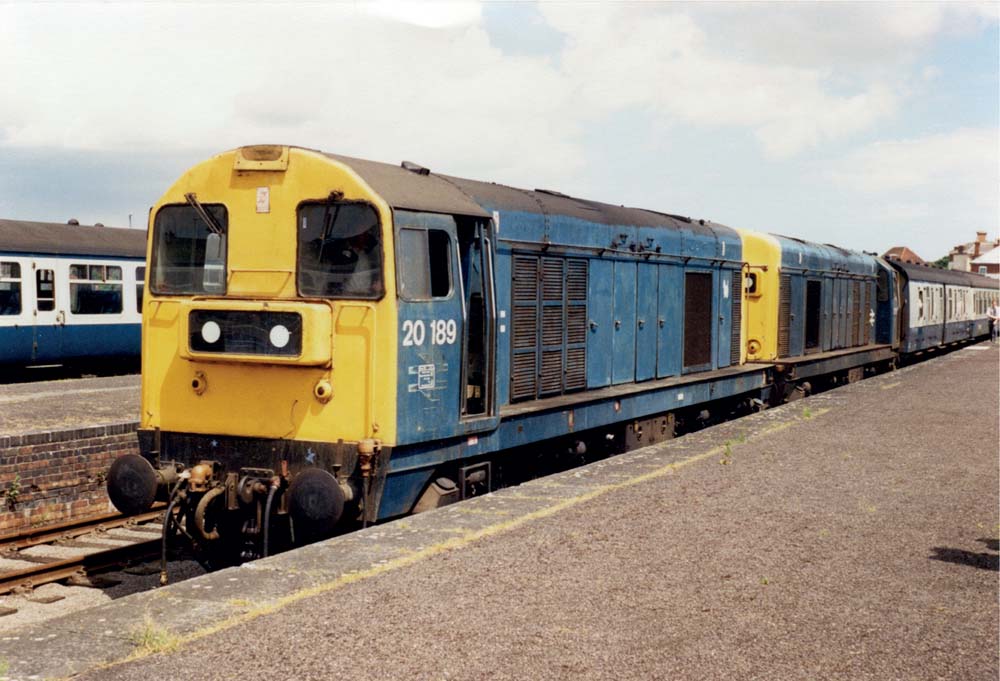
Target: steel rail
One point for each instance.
(63, 568)
(73, 528)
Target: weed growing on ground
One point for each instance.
(152, 638)
(807, 413)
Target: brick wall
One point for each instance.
(58, 475)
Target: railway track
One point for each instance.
(77, 550)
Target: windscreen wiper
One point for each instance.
(205, 216)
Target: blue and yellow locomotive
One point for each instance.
(329, 340)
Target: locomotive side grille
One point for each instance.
(784, 314)
(552, 278)
(576, 368)
(552, 372)
(737, 317)
(576, 280)
(552, 325)
(525, 326)
(576, 324)
(549, 325)
(524, 332)
(525, 284)
(523, 376)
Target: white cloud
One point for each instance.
(665, 62)
(426, 13)
(935, 190)
(389, 80)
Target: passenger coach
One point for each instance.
(69, 293)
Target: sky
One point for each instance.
(867, 125)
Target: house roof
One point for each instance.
(904, 254)
(990, 257)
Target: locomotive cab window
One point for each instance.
(424, 263)
(10, 288)
(95, 289)
(339, 250)
(189, 256)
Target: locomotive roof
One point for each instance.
(427, 191)
(935, 275)
(23, 236)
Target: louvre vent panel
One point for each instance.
(576, 324)
(552, 372)
(576, 368)
(523, 375)
(548, 325)
(784, 314)
(576, 280)
(525, 327)
(525, 283)
(737, 292)
(552, 278)
(552, 325)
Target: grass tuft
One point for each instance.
(152, 638)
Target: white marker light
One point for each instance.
(211, 332)
(279, 336)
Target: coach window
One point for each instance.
(920, 304)
(424, 263)
(95, 289)
(45, 290)
(140, 287)
(10, 288)
(339, 250)
(189, 255)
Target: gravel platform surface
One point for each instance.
(852, 535)
(68, 404)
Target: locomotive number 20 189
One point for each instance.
(443, 332)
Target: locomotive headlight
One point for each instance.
(279, 336)
(211, 332)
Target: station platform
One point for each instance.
(69, 404)
(852, 534)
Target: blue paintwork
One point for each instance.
(670, 293)
(410, 468)
(600, 331)
(838, 270)
(623, 344)
(645, 323)
(60, 343)
(636, 277)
